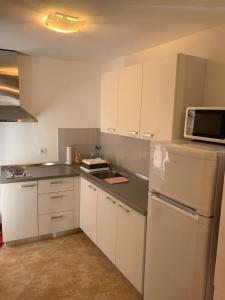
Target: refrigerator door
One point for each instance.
(177, 252)
(185, 174)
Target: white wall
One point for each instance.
(61, 94)
(206, 44)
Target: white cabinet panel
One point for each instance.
(88, 208)
(19, 210)
(57, 222)
(109, 102)
(55, 202)
(129, 100)
(55, 185)
(158, 96)
(107, 224)
(170, 84)
(77, 182)
(130, 245)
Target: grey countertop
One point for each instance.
(39, 172)
(133, 193)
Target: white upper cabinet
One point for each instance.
(150, 100)
(170, 84)
(109, 102)
(129, 100)
(159, 79)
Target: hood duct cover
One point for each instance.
(10, 109)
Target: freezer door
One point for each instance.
(184, 174)
(177, 253)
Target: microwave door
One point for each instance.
(209, 123)
(205, 124)
(177, 252)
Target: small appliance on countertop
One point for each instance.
(16, 172)
(94, 164)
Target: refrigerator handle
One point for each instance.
(179, 208)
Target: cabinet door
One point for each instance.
(129, 100)
(19, 210)
(77, 183)
(106, 224)
(130, 245)
(88, 206)
(109, 101)
(158, 97)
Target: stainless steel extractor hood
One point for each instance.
(10, 109)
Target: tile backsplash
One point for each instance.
(129, 153)
(85, 138)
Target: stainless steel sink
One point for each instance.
(49, 164)
(107, 174)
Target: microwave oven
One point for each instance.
(205, 124)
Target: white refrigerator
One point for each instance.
(185, 190)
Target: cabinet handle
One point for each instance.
(125, 209)
(147, 134)
(110, 199)
(91, 187)
(28, 185)
(132, 132)
(57, 217)
(57, 197)
(111, 129)
(56, 182)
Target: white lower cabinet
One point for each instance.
(121, 237)
(19, 210)
(76, 208)
(56, 222)
(53, 185)
(56, 202)
(130, 244)
(88, 207)
(107, 224)
(40, 207)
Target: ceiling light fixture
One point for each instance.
(63, 23)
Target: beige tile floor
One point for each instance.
(66, 268)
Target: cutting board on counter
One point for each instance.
(116, 180)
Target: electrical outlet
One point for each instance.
(43, 150)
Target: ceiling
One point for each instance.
(113, 28)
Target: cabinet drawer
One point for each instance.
(55, 222)
(55, 202)
(55, 185)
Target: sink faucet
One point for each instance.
(110, 166)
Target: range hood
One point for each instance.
(10, 109)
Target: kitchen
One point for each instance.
(76, 86)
